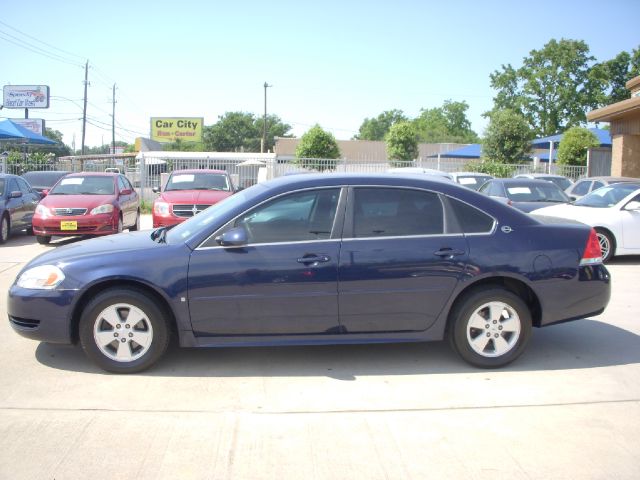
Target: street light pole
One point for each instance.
(263, 144)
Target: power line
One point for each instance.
(35, 49)
(41, 41)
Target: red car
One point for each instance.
(87, 204)
(187, 193)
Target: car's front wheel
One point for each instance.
(4, 229)
(123, 331)
(43, 239)
(136, 226)
(490, 327)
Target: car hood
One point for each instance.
(586, 215)
(76, 201)
(206, 197)
(537, 206)
(107, 247)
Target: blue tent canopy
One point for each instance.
(12, 131)
(604, 136)
(470, 151)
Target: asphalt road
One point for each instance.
(568, 409)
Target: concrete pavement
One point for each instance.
(569, 408)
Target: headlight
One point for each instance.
(161, 208)
(42, 211)
(44, 277)
(102, 209)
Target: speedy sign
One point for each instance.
(170, 129)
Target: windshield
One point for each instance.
(211, 216)
(472, 181)
(608, 196)
(198, 181)
(41, 179)
(562, 182)
(539, 192)
(89, 185)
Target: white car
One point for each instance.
(614, 212)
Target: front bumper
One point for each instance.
(43, 315)
(103, 224)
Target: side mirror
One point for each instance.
(572, 198)
(236, 237)
(155, 189)
(16, 194)
(632, 206)
(126, 191)
(44, 192)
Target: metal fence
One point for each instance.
(151, 170)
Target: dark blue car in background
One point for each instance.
(318, 259)
(18, 202)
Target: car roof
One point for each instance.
(539, 175)
(94, 174)
(613, 179)
(200, 170)
(521, 181)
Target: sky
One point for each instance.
(333, 63)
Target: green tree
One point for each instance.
(608, 78)
(377, 128)
(574, 145)
(317, 150)
(242, 131)
(181, 146)
(507, 138)
(496, 169)
(402, 144)
(553, 88)
(448, 123)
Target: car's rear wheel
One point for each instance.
(123, 331)
(4, 229)
(490, 327)
(43, 239)
(607, 244)
(120, 227)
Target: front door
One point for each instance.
(283, 281)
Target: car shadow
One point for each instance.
(625, 260)
(575, 345)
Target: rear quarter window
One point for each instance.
(471, 219)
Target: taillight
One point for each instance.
(592, 252)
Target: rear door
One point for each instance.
(398, 266)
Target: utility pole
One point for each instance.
(263, 144)
(84, 108)
(113, 122)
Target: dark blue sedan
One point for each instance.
(18, 203)
(318, 259)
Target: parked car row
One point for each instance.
(67, 204)
(317, 259)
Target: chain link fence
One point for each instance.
(149, 170)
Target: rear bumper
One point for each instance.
(591, 295)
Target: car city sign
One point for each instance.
(170, 129)
(25, 96)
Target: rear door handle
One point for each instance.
(448, 252)
(314, 259)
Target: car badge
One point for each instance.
(506, 229)
(68, 211)
(194, 210)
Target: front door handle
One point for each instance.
(314, 259)
(448, 252)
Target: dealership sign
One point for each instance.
(170, 129)
(36, 125)
(25, 96)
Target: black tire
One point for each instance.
(607, 244)
(136, 226)
(120, 226)
(5, 228)
(150, 327)
(43, 239)
(501, 339)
